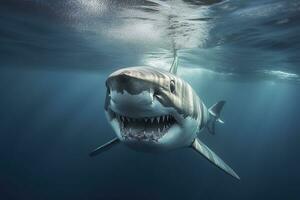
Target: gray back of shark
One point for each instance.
(154, 110)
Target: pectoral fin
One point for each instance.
(105, 147)
(201, 148)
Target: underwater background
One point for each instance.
(54, 60)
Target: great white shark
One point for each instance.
(154, 110)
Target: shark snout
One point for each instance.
(142, 99)
(130, 95)
(133, 105)
(127, 82)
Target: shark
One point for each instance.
(154, 110)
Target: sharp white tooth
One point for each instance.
(157, 119)
(145, 119)
(152, 119)
(163, 118)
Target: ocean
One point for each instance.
(55, 57)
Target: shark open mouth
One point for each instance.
(145, 128)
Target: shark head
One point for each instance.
(151, 109)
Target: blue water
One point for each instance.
(56, 55)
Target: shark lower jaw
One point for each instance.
(144, 129)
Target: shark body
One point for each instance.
(154, 110)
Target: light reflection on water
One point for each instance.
(246, 38)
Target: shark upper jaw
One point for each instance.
(149, 129)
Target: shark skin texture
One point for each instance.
(154, 110)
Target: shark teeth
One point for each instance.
(145, 128)
(159, 119)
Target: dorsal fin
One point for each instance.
(174, 65)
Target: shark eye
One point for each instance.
(172, 86)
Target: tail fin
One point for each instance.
(214, 112)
